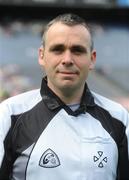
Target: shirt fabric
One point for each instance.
(43, 138)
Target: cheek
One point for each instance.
(83, 65)
(84, 69)
(49, 66)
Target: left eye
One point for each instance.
(78, 51)
(58, 51)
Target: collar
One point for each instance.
(54, 102)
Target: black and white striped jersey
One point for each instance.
(42, 138)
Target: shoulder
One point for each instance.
(17, 105)
(114, 108)
(21, 102)
(105, 102)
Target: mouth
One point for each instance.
(68, 75)
(68, 72)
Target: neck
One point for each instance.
(69, 96)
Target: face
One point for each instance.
(67, 57)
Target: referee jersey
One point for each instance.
(41, 137)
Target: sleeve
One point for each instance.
(5, 124)
(11, 109)
(124, 149)
(127, 132)
(126, 123)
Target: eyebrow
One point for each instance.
(79, 48)
(57, 46)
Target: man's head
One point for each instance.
(67, 55)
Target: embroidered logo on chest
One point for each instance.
(49, 159)
(100, 159)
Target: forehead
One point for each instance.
(59, 31)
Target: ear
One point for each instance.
(41, 56)
(93, 60)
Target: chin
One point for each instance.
(68, 86)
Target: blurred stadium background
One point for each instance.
(21, 24)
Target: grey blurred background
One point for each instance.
(21, 24)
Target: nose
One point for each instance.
(67, 58)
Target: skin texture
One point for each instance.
(67, 60)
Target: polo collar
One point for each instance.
(54, 102)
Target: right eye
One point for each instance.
(57, 49)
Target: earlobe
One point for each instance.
(93, 60)
(41, 52)
(92, 65)
(40, 56)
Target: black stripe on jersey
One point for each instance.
(27, 129)
(5, 167)
(116, 129)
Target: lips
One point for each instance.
(68, 72)
(68, 75)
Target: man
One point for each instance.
(64, 131)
